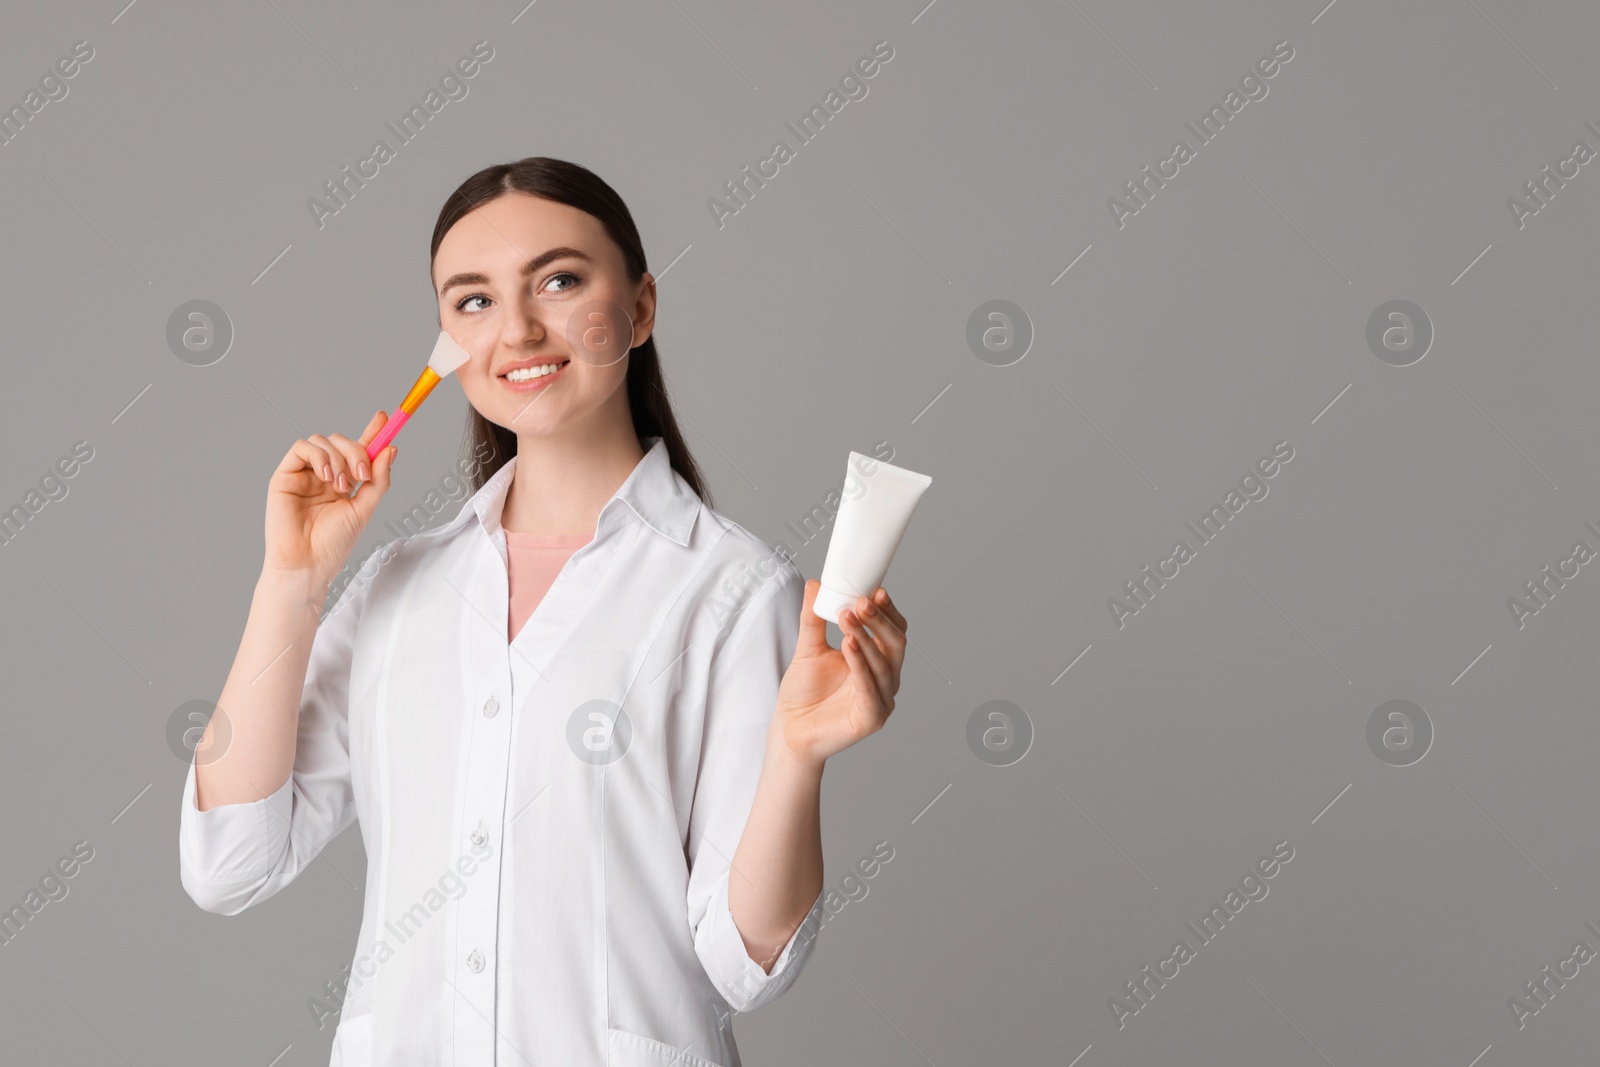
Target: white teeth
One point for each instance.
(526, 374)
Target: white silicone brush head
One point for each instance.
(447, 355)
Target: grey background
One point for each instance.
(828, 315)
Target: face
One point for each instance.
(523, 281)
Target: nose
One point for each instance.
(523, 324)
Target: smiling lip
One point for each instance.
(532, 384)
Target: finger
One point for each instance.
(366, 501)
(861, 675)
(863, 599)
(306, 456)
(886, 606)
(891, 637)
(343, 479)
(813, 638)
(376, 424)
(868, 648)
(882, 625)
(355, 456)
(872, 628)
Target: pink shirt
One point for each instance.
(533, 561)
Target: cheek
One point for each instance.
(476, 384)
(600, 382)
(562, 328)
(596, 331)
(475, 333)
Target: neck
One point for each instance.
(561, 482)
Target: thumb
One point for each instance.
(366, 502)
(813, 638)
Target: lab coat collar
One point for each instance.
(655, 492)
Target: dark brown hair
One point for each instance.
(568, 183)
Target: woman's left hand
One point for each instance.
(830, 698)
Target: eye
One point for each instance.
(565, 274)
(461, 305)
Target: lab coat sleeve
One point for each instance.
(235, 855)
(740, 703)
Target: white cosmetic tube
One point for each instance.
(873, 514)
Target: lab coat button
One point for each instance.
(475, 961)
(490, 707)
(479, 837)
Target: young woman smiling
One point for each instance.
(538, 689)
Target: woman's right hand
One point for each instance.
(312, 522)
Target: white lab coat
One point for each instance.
(547, 879)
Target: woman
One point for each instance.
(583, 725)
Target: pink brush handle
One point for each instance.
(380, 442)
(385, 435)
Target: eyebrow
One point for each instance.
(474, 278)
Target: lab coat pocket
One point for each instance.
(627, 1049)
(352, 1042)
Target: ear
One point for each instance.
(644, 310)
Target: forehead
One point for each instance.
(509, 230)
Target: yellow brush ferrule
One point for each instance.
(420, 391)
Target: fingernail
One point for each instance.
(327, 472)
(871, 610)
(365, 472)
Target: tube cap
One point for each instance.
(828, 604)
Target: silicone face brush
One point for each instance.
(447, 356)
